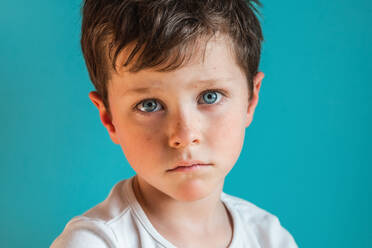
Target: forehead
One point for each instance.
(213, 60)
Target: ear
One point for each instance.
(257, 80)
(105, 118)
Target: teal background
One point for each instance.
(307, 156)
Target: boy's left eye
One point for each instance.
(151, 105)
(211, 96)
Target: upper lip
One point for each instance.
(186, 163)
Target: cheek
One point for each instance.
(140, 145)
(226, 135)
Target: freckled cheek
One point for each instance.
(226, 137)
(141, 146)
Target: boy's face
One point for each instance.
(161, 118)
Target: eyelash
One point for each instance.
(220, 91)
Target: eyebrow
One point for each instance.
(206, 82)
(141, 90)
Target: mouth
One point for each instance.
(186, 166)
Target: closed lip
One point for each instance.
(187, 163)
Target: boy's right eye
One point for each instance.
(148, 106)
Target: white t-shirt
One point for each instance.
(120, 222)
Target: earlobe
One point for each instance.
(104, 116)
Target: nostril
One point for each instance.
(178, 142)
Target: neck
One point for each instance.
(203, 215)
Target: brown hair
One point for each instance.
(163, 32)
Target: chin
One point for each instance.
(192, 191)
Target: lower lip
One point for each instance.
(190, 168)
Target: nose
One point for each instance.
(184, 131)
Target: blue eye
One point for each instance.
(211, 96)
(148, 105)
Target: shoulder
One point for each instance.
(96, 227)
(82, 231)
(266, 227)
(113, 206)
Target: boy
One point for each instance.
(177, 83)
